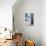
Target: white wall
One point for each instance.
(43, 22)
(6, 13)
(31, 32)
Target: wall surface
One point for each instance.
(29, 32)
(6, 13)
(43, 22)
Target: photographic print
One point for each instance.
(29, 19)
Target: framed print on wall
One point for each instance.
(29, 19)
